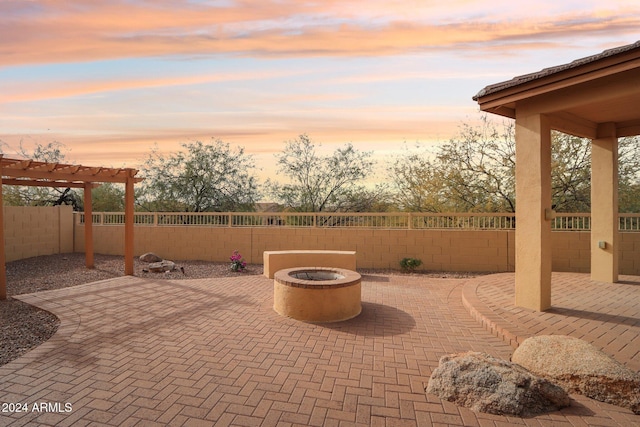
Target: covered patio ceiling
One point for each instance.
(48, 174)
(597, 97)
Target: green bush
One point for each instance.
(410, 264)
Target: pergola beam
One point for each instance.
(71, 176)
(36, 183)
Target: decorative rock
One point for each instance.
(162, 266)
(484, 383)
(150, 257)
(581, 368)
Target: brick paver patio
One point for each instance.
(131, 351)
(604, 314)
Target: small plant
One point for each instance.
(237, 263)
(410, 264)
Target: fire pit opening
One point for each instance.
(316, 275)
(317, 294)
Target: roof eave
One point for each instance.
(551, 79)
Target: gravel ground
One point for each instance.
(25, 327)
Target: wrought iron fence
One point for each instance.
(394, 220)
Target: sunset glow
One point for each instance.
(110, 79)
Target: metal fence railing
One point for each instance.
(393, 220)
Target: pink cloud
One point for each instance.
(56, 31)
(21, 92)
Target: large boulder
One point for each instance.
(581, 368)
(150, 257)
(162, 266)
(484, 383)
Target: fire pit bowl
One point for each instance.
(317, 294)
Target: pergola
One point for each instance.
(597, 97)
(45, 174)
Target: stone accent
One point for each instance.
(162, 266)
(581, 368)
(150, 257)
(484, 383)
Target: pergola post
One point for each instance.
(88, 226)
(3, 268)
(604, 204)
(128, 225)
(533, 211)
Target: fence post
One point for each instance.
(230, 219)
(410, 220)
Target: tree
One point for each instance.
(321, 183)
(416, 184)
(205, 177)
(472, 172)
(475, 171)
(629, 174)
(570, 173)
(53, 152)
(107, 197)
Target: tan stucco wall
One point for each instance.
(35, 231)
(629, 253)
(439, 250)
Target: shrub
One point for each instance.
(410, 264)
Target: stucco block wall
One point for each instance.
(34, 231)
(571, 251)
(439, 250)
(629, 261)
(177, 243)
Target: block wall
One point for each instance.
(439, 250)
(629, 258)
(34, 231)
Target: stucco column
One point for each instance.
(533, 207)
(604, 205)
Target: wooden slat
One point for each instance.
(40, 183)
(58, 172)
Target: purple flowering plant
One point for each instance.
(237, 263)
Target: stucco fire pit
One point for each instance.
(317, 294)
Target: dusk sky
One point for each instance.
(111, 78)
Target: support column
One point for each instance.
(604, 205)
(88, 226)
(3, 258)
(128, 225)
(533, 210)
